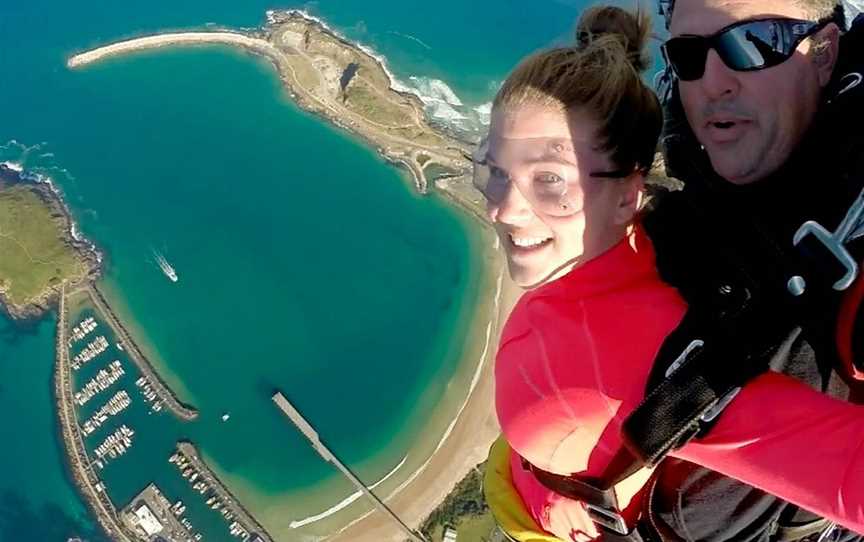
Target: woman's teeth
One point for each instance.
(528, 242)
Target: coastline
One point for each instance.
(453, 439)
(405, 138)
(12, 175)
(471, 431)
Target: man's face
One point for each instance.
(748, 122)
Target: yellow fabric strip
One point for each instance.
(504, 500)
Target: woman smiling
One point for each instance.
(572, 136)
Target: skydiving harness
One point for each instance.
(728, 336)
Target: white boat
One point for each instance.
(165, 267)
(226, 417)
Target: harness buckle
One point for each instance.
(607, 518)
(848, 229)
(835, 245)
(720, 406)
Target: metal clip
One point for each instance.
(850, 228)
(610, 519)
(721, 405)
(679, 361)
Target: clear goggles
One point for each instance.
(543, 170)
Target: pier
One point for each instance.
(91, 487)
(182, 411)
(309, 432)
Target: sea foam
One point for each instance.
(441, 103)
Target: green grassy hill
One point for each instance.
(35, 253)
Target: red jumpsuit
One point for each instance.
(574, 360)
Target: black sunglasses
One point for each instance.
(743, 46)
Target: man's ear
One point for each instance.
(826, 50)
(630, 197)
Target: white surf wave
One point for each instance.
(474, 381)
(19, 151)
(74, 231)
(444, 112)
(43, 174)
(435, 90)
(441, 103)
(344, 503)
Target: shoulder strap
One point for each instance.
(776, 287)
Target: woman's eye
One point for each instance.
(548, 178)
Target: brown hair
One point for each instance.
(600, 75)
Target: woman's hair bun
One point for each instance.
(632, 30)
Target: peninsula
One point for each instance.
(40, 246)
(345, 84)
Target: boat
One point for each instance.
(226, 417)
(166, 267)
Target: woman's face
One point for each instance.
(535, 152)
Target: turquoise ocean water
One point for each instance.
(305, 262)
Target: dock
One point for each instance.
(151, 516)
(81, 467)
(309, 432)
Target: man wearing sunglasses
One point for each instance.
(765, 126)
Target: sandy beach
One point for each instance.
(471, 433)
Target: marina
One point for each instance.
(103, 380)
(150, 514)
(91, 486)
(93, 349)
(240, 523)
(114, 406)
(149, 394)
(115, 445)
(82, 330)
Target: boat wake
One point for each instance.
(166, 267)
(344, 503)
(412, 38)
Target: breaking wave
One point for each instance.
(42, 169)
(442, 105)
(344, 503)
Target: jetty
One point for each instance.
(89, 484)
(240, 522)
(179, 409)
(309, 432)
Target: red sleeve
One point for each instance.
(785, 438)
